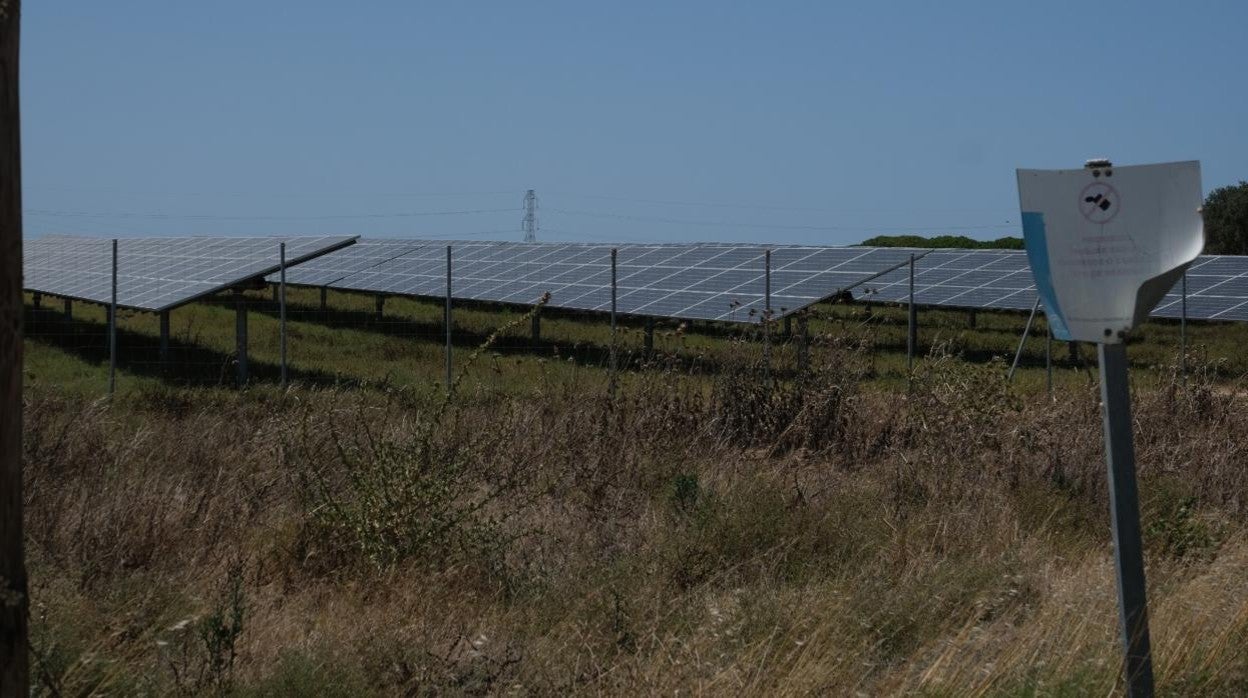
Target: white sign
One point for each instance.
(1106, 243)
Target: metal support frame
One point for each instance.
(1125, 518)
(649, 336)
(912, 334)
(324, 303)
(788, 326)
(447, 320)
(240, 335)
(971, 319)
(767, 316)
(1183, 334)
(276, 294)
(1074, 352)
(281, 307)
(164, 338)
(380, 306)
(112, 328)
(36, 299)
(69, 309)
(611, 387)
(1023, 340)
(535, 329)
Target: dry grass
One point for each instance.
(831, 540)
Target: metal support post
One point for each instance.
(380, 302)
(281, 307)
(1183, 335)
(240, 334)
(788, 326)
(971, 319)
(36, 299)
(612, 383)
(276, 293)
(1125, 519)
(767, 316)
(164, 338)
(324, 303)
(803, 343)
(536, 326)
(1074, 352)
(112, 328)
(447, 320)
(69, 309)
(912, 335)
(649, 340)
(1023, 340)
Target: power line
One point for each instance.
(770, 226)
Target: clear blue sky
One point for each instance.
(813, 122)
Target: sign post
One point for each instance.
(1105, 243)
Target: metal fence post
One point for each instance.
(281, 250)
(1125, 518)
(1183, 334)
(912, 334)
(448, 319)
(240, 334)
(767, 316)
(612, 382)
(112, 328)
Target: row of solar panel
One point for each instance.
(1217, 286)
(695, 281)
(157, 274)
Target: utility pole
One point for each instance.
(14, 650)
(530, 216)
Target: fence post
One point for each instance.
(1183, 334)
(112, 328)
(240, 334)
(612, 381)
(281, 308)
(767, 317)
(448, 319)
(912, 330)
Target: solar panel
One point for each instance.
(1217, 285)
(692, 281)
(157, 274)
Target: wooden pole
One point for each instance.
(14, 650)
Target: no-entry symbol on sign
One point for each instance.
(1099, 202)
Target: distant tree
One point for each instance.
(1226, 220)
(944, 242)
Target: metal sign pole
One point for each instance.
(912, 331)
(767, 317)
(1125, 516)
(1183, 334)
(448, 319)
(281, 304)
(611, 385)
(1023, 340)
(112, 328)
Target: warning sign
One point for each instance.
(1100, 263)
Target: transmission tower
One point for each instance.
(530, 216)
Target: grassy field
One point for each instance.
(851, 532)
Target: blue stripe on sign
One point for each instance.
(1038, 257)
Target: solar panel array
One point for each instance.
(1217, 286)
(158, 273)
(692, 281)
